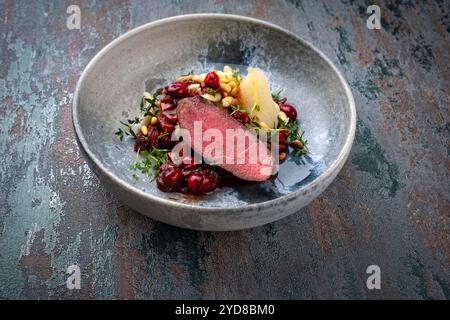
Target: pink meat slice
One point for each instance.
(241, 152)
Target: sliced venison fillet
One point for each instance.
(239, 151)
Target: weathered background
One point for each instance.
(389, 206)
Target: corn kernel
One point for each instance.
(144, 130)
(235, 91)
(232, 84)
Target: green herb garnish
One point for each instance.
(293, 135)
(127, 130)
(149, 162)
(211, 91)
(237, 77)
(281, 123)
(148, 106)
(276, 94)
(237, 108)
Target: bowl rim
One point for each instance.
(337, 162)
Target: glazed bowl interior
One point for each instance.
(151, 56)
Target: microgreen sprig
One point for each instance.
(149, 162)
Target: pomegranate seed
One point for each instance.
(212, 80)
(177, 90)
(241, 117)
(289, 110)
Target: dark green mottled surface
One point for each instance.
(389, 206)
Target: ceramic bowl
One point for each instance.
(154, 54)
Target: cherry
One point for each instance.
(241, 117)
(171, 176)
(142, 142)
(165, 142)
(194, 181)
(289, 110)
(171, 115)
(203, 181)
(207, 184)
(212, 80)
(169, 105)
(282, 101)
(166, 124)
(177, 90)
(282, 137)
(153, 134)
(148, 141)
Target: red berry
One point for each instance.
(177, 90)
(289, 110)
(207, 184)
(171, 176)
(194, 181)
(282, 138)
(171, 115)
(282, 101)
(142, 142)
(202, 182)
(165, 142)
(241, 117)
(212, 80)
(153, 134)
(164, 106)
(166, 124)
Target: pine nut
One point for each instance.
(225, 87)
(297, 144)
(147, 120)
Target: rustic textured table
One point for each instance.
(389, 205)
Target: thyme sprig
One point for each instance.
(127, 129)
(147, 107)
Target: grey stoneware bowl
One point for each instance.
(154, 54)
